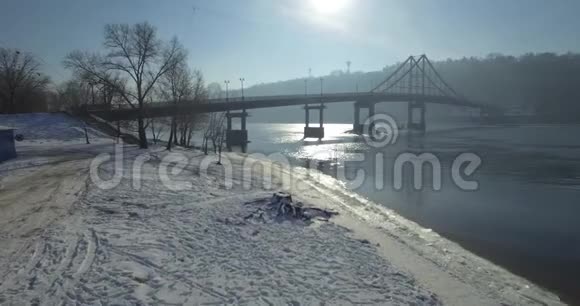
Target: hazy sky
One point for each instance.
(269, 40)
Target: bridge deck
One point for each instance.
(158, 110)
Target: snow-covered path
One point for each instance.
(155, 246)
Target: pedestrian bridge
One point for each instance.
(415, 81)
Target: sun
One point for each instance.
(328, 7)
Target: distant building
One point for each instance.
(7, 147)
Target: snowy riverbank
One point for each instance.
(65, 240)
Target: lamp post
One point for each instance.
(227, 90)
(242, 81)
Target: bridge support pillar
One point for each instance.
(416, 119)
(358, 127)
(314, 132)
(237, 137)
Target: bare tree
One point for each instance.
(19, 74)
(221, 139)
(214, 131)
(200, 95)
(79, 90)
(175, 86)
(180, 86)
(138, 57)
(72, 94)
(214, 91)
(157, 127)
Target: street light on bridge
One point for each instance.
(242, 81)
(227, 90)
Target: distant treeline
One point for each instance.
(545, 84)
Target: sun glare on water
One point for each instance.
(328, 7)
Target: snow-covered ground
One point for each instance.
(45, 127)
(66, 240)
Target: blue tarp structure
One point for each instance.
(7, 148)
